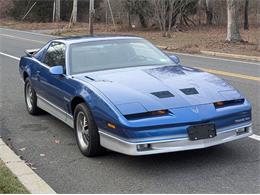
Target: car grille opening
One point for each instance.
(222, 104)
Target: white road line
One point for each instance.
(213, 58)
(33, 33)
(10, 56)
(255, 137)
(15, 37)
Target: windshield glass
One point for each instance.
(110, 54)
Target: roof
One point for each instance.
(88, 38)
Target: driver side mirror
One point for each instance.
(175, 59)
(57, 70)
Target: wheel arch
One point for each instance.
(75, 101)
(25, 75)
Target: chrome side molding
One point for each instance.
(55, 111)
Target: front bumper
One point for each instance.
(146, 147)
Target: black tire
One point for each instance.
(88, 143)
(32, 105)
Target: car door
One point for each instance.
(55, 88)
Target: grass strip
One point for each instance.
(9, 184)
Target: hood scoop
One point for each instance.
(163, 94)
(189, 91)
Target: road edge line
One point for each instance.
(29, 32)
(230, 74)
(229, 55)
(198, 55)
(31, 181)
(10, 56)
(255, 137)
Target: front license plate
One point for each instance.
(201, 131)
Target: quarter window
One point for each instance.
(55, 55)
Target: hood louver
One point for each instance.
(189, 91)
(163, 94)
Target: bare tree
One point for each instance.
(91, 16)
(140, 8)
(169, 12)
(161, 14)
(57, 10)
(209, 11)
(5, 6)
(74, 12)
(233, 34)
(246, 26)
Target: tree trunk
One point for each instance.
(74, 11)
(142, 20)
(53, 11)
(246, 26)
(209, 11)
(233, 34)
(91, 17)
(200, 3)
(170, 14)
(160, 14)
(129, 21)
(57, 10)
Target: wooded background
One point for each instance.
(164, 15)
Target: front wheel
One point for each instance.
(86, 131)
(30, 98)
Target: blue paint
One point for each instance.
(111, 94)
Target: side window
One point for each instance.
(55, 55)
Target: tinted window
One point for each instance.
(55, 55)
(109, 54)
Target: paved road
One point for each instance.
(229, 168)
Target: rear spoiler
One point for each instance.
(31, 52)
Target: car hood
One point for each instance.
(142, 89)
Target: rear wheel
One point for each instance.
(86, 131)
(30, 98)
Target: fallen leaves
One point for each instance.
(56, 141)
(22, 149)
(30, 165)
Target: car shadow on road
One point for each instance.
(221, 153)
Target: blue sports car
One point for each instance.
(124, 94)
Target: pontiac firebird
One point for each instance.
(124, 94)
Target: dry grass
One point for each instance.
(190, 41)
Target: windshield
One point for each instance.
(110, 54)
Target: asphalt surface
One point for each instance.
(50, 145)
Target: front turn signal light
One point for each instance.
(219, 103)
(111, 125)
(159, 112)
